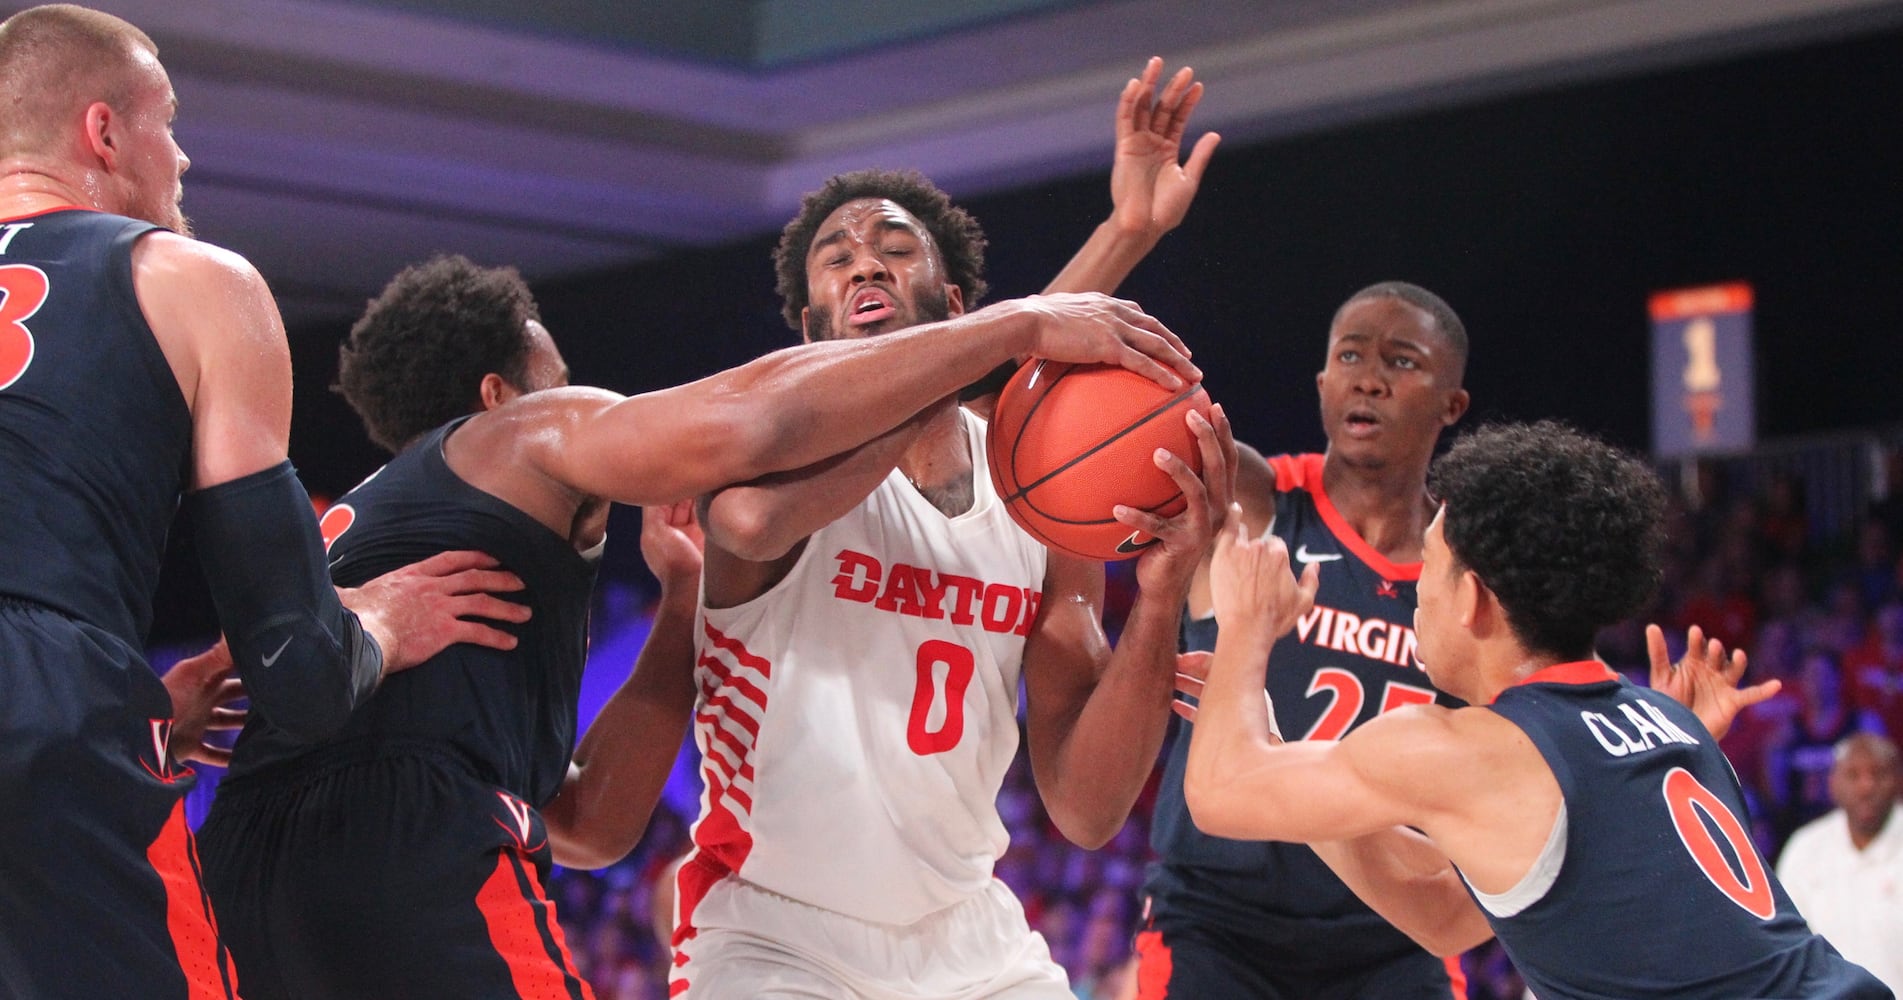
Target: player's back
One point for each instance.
(1659, 891)
(509, 714)
(95, 435)
(1350, 659)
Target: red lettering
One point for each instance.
(1002, 605)
(901, 593)
(964, 591)
(1032, 601)
(858, 577)
(959, 665)
(932, 595)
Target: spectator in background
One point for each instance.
(1845, 871)
(1798, 759)
(1784, 523)
(1875, 572)
(1873, 671)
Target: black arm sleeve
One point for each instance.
(305, 659)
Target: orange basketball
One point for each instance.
(1070, 442)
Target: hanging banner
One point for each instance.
(1703, 371)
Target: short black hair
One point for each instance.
(1445, 319)
(1567, 531)
(960, 241)
(416, 359)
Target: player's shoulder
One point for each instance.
(177, 273)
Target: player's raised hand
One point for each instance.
(673, 546)
(424, 608)
(202, 687)
(1705, 680)
(1183, 540)
(1251, 586)
(1093, 328)
(1149, 189)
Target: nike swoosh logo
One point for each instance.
(273, 658)
(1132, 543)
(1303, 555)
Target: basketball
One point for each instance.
(1068, 443)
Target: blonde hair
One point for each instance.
(57, 60)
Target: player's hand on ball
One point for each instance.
(1251, 585)
(1091, 328)
(1183, 539)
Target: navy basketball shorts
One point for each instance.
(1179, 958)
(384, 870)
(99, 887)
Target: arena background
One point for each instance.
(1636, 147)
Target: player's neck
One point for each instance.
(939, 465)
(26, 188)
(1500, 664)
(1387, 507)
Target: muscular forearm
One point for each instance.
(623, 760)
(1403, 877)
(1232, 735)
(762, 520)
(1111, 747)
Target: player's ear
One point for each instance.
(1470, 601)
(806, 335)
(496, 390)
(1457, 402)
(954, 300)
(101, 126)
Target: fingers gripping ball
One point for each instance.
(1070, 442)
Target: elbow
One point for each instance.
(1450, 939)
(1083, 828)
(589, 853)
(1212, 808)
(741, 521)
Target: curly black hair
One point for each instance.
(1567, 531)
(961, 243)
(416, 359)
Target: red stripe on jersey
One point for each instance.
(1153, 966)
(732, 681)
(719, 732)
(696, 877)
(738, 650)
(1456, 977)
(188, 916)
(717, 699)
(1305, 472)
(1576, 672)
(538, 966)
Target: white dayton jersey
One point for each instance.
(856, 720)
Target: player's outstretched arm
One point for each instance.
(622, 762)
(1150, 187)
(804, 404)
(764, 521)
(1096, 717)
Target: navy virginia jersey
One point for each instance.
(510, 714)
(1348, 660)
(95, 436)
(1659, 890)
